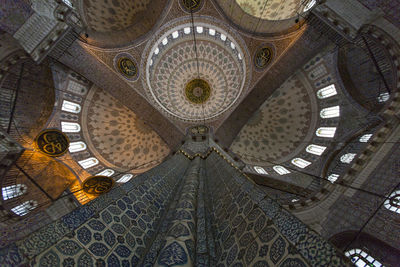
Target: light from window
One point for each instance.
(239, 56)
(260, 170)
(186, 30)
(327, 92)
(175, 34)
(333, 177)
(106, 172)
(327, 132)
(331, 112)
(233, 45)
(393, 203)
(12, 191)
(223, 37)
(70, 127)
(347, 158)
(71, 107)
(164, 41)
(25, 207)
(315, 149)
(281, 170)
(295, 200)
(361, 258)
(77, 146)
(383, 97)
(309, 5)
(87, 163)
(301, 163)
(125, 178)
(211, 32)
(76, 87)
(156, 51)
(68, 3)
(199, 29)
(365, 138)
(151, 62)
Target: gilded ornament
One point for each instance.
(97, 185)
(52, 142)
(263, 57)
(197, 91)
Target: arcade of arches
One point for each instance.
(199, 133)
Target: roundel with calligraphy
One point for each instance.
(97, 185)
(52, 142)
(126, 66)
(191, 6)
(263, 56)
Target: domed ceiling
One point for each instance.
(117, 137)
(117, 22)
(279, 129)
(195, 81)
(275, 9)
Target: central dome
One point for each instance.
(194, 81)
(197, 91)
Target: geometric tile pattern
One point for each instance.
(183, 212)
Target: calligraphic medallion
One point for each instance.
(97, 185)
(263, 56)
(127, 67)
(197, 91)
(52, 142)
(191, 6)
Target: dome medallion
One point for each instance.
(194, 83)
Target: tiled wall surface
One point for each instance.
(198, 212)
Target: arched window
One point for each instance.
(331, 112)
(175, 34)
(13, 191)
(365, 138)
(327, 132)
(327, 92)
(87, 163)
(76, 87)
(309, 5)
(25, 207)
(164, 41)
(211, 32)
(233, 46)
(301, 163)
(333, 177)
(223, 37)
(68, 3)
(315, 149)
(106, 172)
(199, 29)
(361, 258)
(125, 178)
(383, 97)
(281, 170)
(70, 127)
(347, 158)
(186, 30)
(71, 107)
(260, 170)
(77, 146)
(393, 203)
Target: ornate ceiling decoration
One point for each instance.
(191, 82)
(117, 137)
(279, 127)
(118, 22)
(273, 9)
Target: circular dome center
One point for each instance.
(197, 91)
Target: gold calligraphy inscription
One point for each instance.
(263, 57)
(52, 142)
(97, 185)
